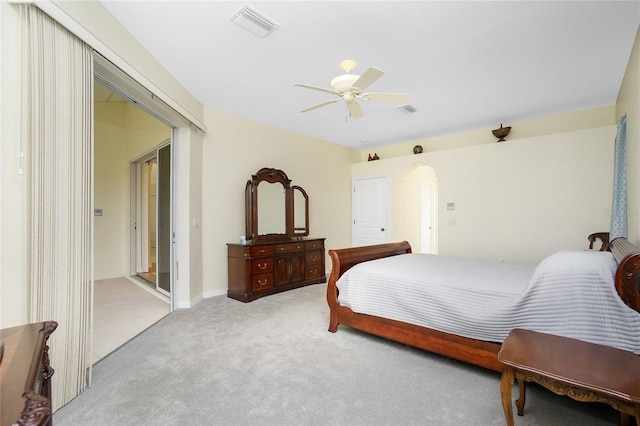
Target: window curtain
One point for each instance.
(619, 205)
(57, 115)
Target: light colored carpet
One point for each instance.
(273, 362)
(122, 310)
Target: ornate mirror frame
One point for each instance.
(298, 196)
(293, 229)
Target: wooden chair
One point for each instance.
(602, 236)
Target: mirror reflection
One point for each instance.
(271, 208)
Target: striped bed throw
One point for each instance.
(570, 293)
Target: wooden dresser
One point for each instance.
(25, 374)
(260, 269)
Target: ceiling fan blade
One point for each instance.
(332, 101)
(322, 89)
(368, 78)
(399, 98)
(354, 110)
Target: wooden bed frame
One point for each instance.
(481, 353)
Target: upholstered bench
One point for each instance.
(583, 371)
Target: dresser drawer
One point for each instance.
(261, 282)
(313, 271)
(310, 245)
(313, 257)
(289, 248)
(261, 265)
(261, 251)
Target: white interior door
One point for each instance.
(369, 208)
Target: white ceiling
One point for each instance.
(468, 65)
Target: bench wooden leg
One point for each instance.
(623, 419)
(521, 397)
(626, 419)
(506, 385)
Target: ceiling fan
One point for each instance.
(350, 87)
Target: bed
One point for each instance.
(618, 317)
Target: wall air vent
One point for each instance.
(407, 109)
(254, 21)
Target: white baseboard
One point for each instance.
(191, 303)
(214, 293)
(200, 297)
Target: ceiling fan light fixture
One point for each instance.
(344, 82)
(347, 65)
(254, 21)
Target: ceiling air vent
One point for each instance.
(254, 21)
(407, 109)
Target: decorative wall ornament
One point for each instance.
(501, 133)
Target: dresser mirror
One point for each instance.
(274, 209)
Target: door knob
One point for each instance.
(382, 229)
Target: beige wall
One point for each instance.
(13, 291)
(234, 149)
(188, 163)
(110, 183)
(629, 104)
(561, 123)
(514, 201)
(123, 132)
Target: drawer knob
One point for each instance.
(262, 265)
(314, 258)
(263, 283)
(314, 271)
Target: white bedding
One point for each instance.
(570, 293)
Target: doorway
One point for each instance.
(427, 216)
(421, 202)
(124, 305)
